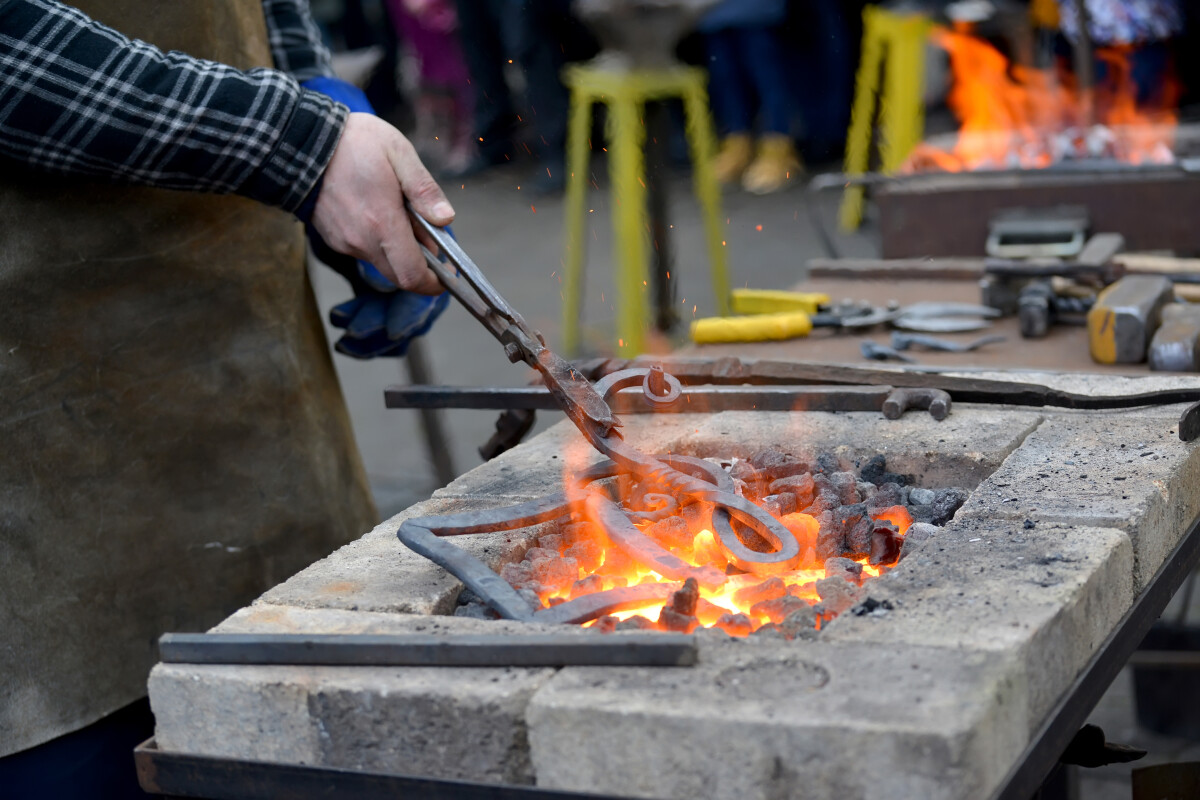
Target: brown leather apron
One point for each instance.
(173, 438)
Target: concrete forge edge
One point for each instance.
(975, 651)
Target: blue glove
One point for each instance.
(381, 319)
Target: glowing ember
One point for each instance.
(849, 530)
(1012, 116)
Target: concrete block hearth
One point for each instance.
(991, 619)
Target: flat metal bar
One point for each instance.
(404, 650)
(1076, 704)
(187, 775)
(695, 399)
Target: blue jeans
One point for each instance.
(746, 69)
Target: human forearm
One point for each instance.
(295, 40)
(80, 98)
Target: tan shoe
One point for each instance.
(736, 153)
(775, 165)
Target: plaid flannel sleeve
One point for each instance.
(295, 40)
(78, 97)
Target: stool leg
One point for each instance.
(627, 138)
(862, 115)
(575, 247)
(703, 145)
(902, 117)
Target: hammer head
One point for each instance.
(1176, 345)
(1125, 316)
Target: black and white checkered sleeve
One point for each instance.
(295, 40)
(78, 97)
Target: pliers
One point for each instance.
(467, 283)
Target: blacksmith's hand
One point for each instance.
(360, 210)
(381, 319)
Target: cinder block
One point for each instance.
(765, 720)
(1124, 470)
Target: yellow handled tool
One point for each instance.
(769, 301)
(756, 328)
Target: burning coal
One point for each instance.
(850, 527)
(1013, 116)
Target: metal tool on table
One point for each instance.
(946, 317)
(905, 341)
(1176, 344)
(1125, 317)
(1030, 287)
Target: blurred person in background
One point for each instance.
(537, 37)
(1134, 35)
(444, 98)
(748, 83)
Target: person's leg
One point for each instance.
(539, 54)
(732, 105)
(761, 54)
(776, 162)
(479, 24)
(93, 763)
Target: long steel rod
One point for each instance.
(632, 401)
(1076, 704)
(415, 650)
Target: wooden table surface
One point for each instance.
(1064, 349)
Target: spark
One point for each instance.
(620, 342)
(758, 228)
(481, 138)
(694, 310)
(722, 243)
(548, 173)
(532, 208)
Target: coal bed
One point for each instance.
(929, 683)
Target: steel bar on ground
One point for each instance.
(412, 650)
(1073, 708)
(186, 775)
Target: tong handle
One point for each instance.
(575, 395)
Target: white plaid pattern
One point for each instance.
(78, 97)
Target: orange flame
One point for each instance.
(1012, 116)
(603, 566)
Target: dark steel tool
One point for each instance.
(730, 370)
(903, 341)
(692, 400)
(415, 650)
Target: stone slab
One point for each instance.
(961, 450)
(1125, 470)
(378, 573)
(463, 723)
(757, 720)
(1047, 596)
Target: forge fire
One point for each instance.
(1013, 115)
(851, 527)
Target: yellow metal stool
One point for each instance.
(626, 93)
(894, 43)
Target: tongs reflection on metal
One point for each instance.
(573, 392)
